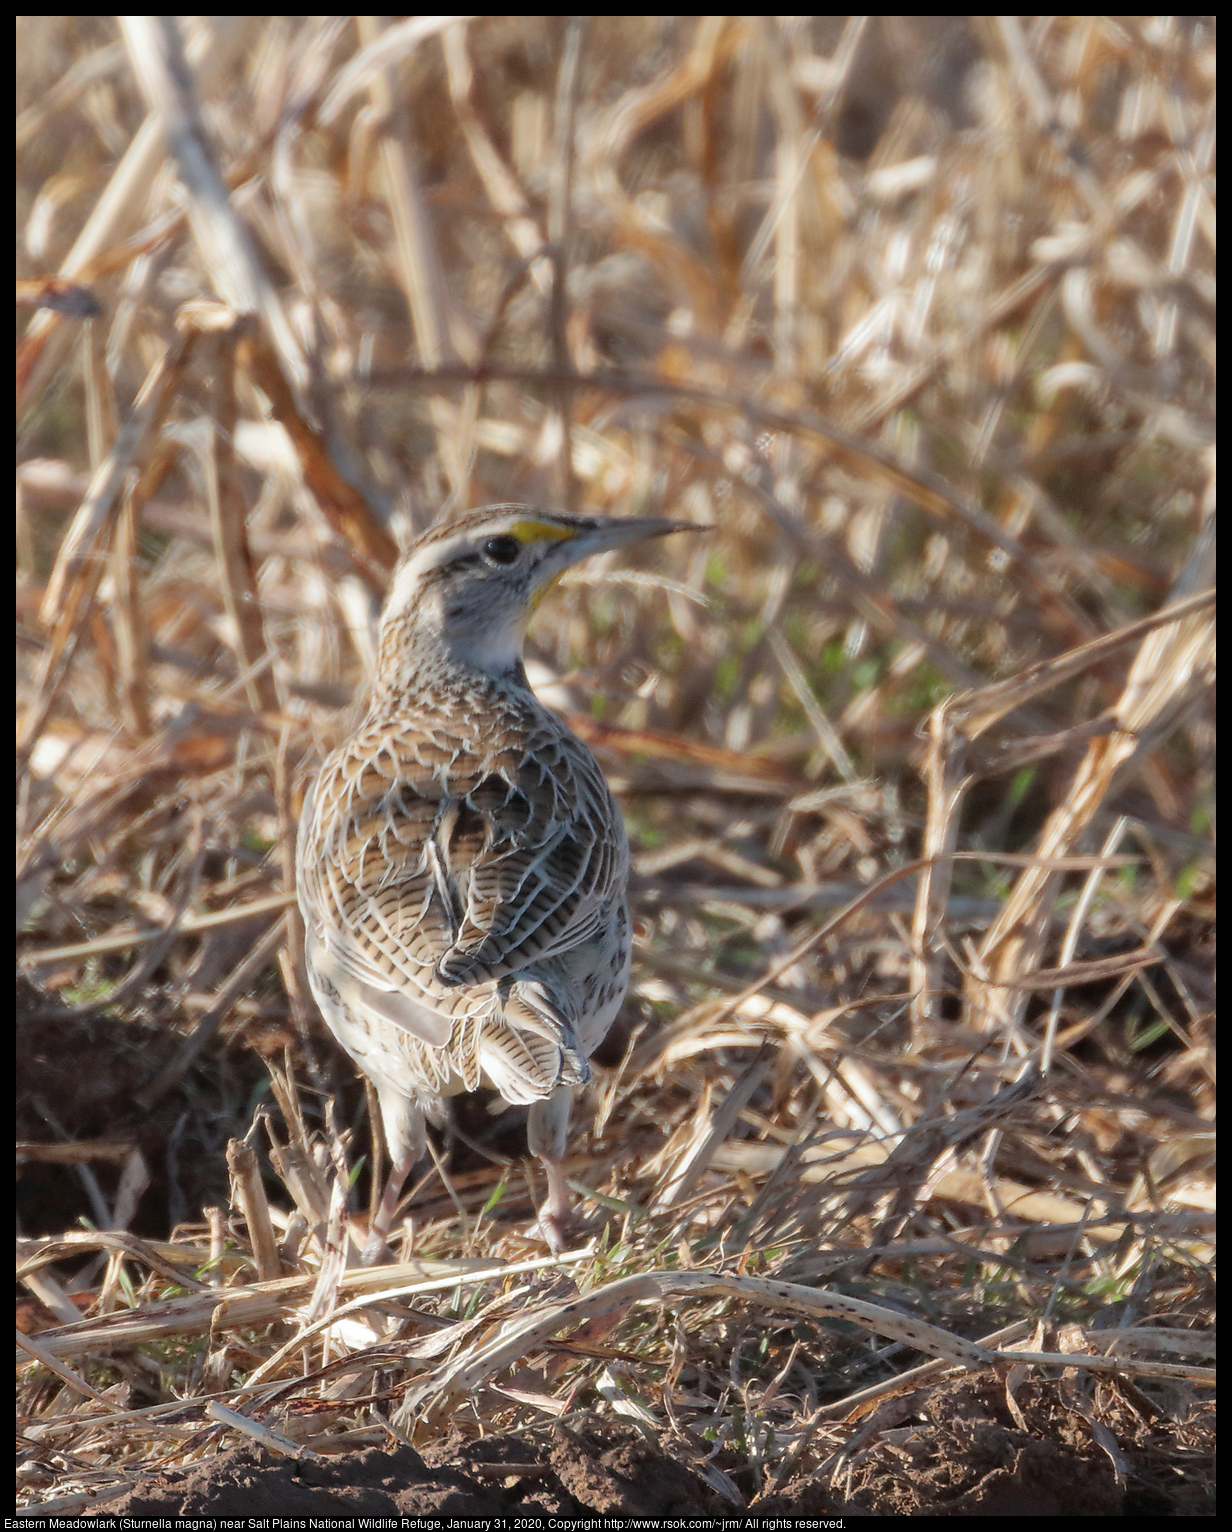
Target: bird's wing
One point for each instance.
(416, 887)
(373, 923)
(535, 857)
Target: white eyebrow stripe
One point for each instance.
(410, 575)
(435, 554)
(444, 551)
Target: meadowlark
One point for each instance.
(462, 865)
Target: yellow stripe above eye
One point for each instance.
(538, 532)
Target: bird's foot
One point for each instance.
(376, 1251)
(556, 1230)
(558, 1218)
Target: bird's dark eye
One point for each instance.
(502, 550)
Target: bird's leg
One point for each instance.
(376, 1247)
(546, 1131)
(405, 1138)
(557, 1216)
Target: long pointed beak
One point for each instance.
(615, 531)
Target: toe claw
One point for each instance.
(376, 1252)
(556, 1230)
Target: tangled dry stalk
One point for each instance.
(916, 751)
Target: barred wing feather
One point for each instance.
(414, 889)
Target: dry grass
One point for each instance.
(920, 316)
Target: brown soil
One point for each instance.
(77, 1078)
(954, 1450)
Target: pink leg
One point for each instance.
(546, 1133)
(557, 1218)
(376, 1249)
(405, 1138)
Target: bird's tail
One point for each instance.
(532, 1047)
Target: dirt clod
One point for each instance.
(962, 1455)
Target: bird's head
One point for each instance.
(463, 593)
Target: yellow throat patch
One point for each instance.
(540, 532)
